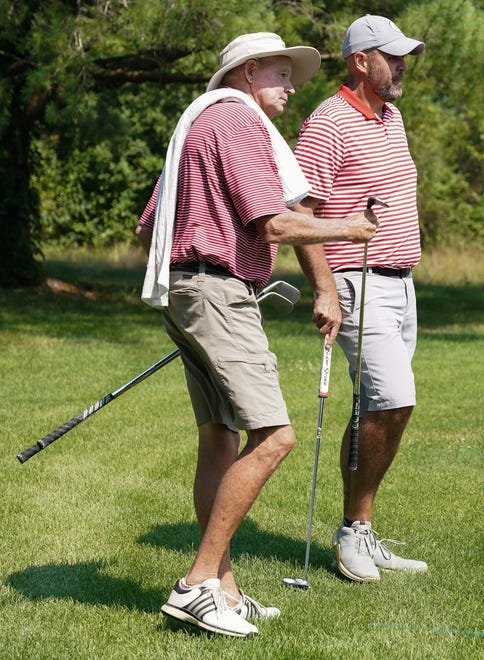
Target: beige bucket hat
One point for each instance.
(305, 59)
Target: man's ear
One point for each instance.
(360, 61)
(249, 68)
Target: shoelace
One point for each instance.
(237, 607)
(364, 541)
(219, 601)
(381, 543)
(253, 607)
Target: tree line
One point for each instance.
(91, 91)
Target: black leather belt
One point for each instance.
(194, 267)
(379, 270)
(210, 269)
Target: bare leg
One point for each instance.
(217, 450)
(238, 490)
(379, 439)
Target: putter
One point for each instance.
(355, 413)
(302, 583)
(286, 296)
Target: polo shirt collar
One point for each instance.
(351, 98)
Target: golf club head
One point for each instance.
(279, 302)
(283, 289)
(375, 200)
(296, 583)
(287, 291)
(282, 295)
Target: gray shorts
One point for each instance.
(231, 374)
(389, 337)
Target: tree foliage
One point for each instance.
(90, 92)
(443, 112)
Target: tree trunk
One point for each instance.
(19, 212)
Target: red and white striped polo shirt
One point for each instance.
(349, 154)
(227, 177)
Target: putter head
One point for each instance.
(296, 583)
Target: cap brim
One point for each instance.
(403, 46)
(305, 64)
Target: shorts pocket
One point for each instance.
(249, 380)
(347, 295)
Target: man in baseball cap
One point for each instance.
(353, 147)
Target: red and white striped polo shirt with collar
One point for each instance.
(349, 154)
(227, 178)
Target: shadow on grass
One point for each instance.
(103, 302)
(249, 540)
(85, 583)
(51, 314)
(441, 305)
(89, 582)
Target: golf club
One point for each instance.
(286, 295)
(355, 413)
(302, 583)
(282, 295)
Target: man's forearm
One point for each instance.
(326, 308)
(315, 267)
(294, 227)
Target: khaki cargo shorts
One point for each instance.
(231, 374)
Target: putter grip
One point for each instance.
(28, 453)
(325, 370)
(354, 434)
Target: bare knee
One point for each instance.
(217, 439)
(387, 423)
(275, 440)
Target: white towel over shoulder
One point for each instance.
(294, 183)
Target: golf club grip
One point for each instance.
(63, 429)
(325, 370)
(72, 423)
(354, 434)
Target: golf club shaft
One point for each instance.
(323, 393)
(292, 295)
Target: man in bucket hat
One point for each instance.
(353, 147)
(212, 229)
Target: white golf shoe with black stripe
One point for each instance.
(250, 608)
(203, 605)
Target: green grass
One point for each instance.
(97, 527)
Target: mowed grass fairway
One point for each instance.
(96, 528)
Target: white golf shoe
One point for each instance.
(384, 558)
(203, 605)
(252, 609)
(353, 547)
